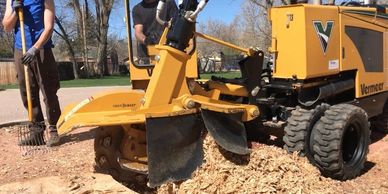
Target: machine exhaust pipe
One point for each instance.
(296, 1)
(317, 2)
(370, 2)
(159, 9)
(309, 97)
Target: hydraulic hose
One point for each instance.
(159, 10)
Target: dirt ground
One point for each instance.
(65, 169)
(69, 168)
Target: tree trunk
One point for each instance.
(103, 9)
(65, 37)
(86, 8)
(102, 54)
(114, 58)
(78, 12)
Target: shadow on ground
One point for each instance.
(135, 181)
(376, 136)
(79, 137)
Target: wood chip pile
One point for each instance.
(267, 169)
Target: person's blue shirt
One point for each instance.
(33, 24)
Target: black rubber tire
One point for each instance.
(297, 134)
(380, 123)
(107, 150)
(341, 141)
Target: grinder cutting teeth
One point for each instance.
(163, 126)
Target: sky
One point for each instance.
(223, 10)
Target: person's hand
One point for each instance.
(150, 40)
(29, 56)
(146, 41)
(16, 4)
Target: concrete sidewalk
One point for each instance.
(12, 110)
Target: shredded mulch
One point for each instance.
(268, 169)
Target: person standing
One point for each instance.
(147, 30)
(39, 16)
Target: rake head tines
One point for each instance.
(32, 139)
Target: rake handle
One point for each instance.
(26, 73)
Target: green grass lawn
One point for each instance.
(104, 81)
(118, 80)
(114, 80)
(8, 86)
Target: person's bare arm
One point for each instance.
(139, 33)
(49, 18)
(10, 17)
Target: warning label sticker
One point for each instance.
(333, 64)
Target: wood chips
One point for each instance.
(267, 169)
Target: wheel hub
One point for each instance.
(350, 145)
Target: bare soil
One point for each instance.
(70, 168)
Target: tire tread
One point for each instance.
(299, 126)
(327, 143)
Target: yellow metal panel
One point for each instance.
(298, 47)
(228, 89)
(370, 18)
(168, 77)
(250, 112)
(353, 60)
(199, 90)
(319, 61)
(102, 109)
(288, 30)
(144, 74)
(248, 51)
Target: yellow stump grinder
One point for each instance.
(328, 79)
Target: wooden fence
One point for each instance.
(7, 72)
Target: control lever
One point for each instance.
(192, 16)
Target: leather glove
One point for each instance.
(147, 40)
(29, 56)
(151, 40)
(16, 4)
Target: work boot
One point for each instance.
(54, 138)
(33, 137)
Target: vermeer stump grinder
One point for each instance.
(328, 79)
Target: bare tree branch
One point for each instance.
(65, 37)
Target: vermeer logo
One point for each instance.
(371, 88)
(324, 33)
(123, 105)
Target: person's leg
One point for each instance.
(47, 72)
(37, 115)
(36, 127)
(49, 84)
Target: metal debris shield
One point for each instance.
(176, 149)
(227, 129)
